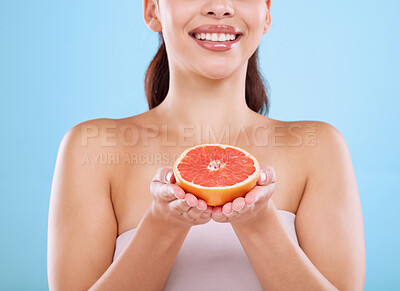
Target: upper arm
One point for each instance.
(329, 220)
(82, 226)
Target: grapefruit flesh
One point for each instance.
(216, 173)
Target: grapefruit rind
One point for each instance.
(219, 195)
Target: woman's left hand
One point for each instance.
(252, 205)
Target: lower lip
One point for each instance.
(217, 45)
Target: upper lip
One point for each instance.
(220, 28)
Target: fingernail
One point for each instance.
(176, 195)
(187, 202)
(168, 177)
(241, 207)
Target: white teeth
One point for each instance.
(215, 36)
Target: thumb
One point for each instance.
(170, 177)
(267, 176)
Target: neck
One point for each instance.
(196, 100)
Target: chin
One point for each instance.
(217, 71)
(215, 76)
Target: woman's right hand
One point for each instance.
(173, 205)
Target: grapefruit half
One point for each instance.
(216, 173)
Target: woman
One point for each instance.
(299, 228)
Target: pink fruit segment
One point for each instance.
(214, 166)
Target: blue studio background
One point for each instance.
(64, 62)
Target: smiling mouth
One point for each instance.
(216, 37)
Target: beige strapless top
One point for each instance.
(212, 258)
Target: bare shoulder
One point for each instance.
(102, 135)
(322, 142)
(88, 133)
(308, 138)
(308, 131)
(325, 133)
(305, 138)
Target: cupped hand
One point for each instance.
(252, 205)
(172, 204)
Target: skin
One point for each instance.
(92, 202)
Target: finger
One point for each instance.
(227, 208)
(170, 177)
(191, 199)
(183, 205)
(202, 205)
(217, 214)
(161, 175)
(267, 176)
(207, 213)
(271, 175)
(180, 205)
(246, 209)
(259, 194)
(229, 211)
(217, 211)
(238, 204)
(233, 215)
(167, 192)
(196, 212)
(262, 179)
(209, 209)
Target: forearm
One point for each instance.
(278, 261)
(146, 261)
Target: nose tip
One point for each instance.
(219, 14)
(218, 10)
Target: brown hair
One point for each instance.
(156, 81)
